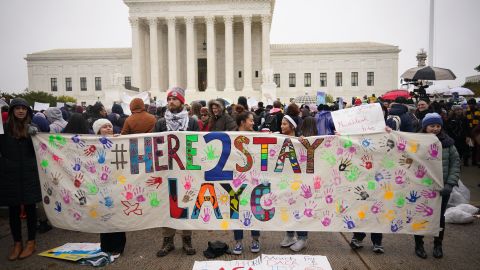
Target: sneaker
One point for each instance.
(288, 241)
(255, 246)
(114, 256)
(356, 244)
(238, 249)
(299, 245)
(378, 249)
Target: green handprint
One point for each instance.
(61, 140)
(283, 184)
(92, 188)
(347, 143)
(44, 163)
(427, 181)
(353, 174)
(51, 141)
(153, 199)
(400, 199)
(388, 163)
(210, 153)
(329, 158)
(244, 200)
(372, 185)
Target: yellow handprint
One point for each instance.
(284, 214)
(388, 192)
(121, 179)
(224, 225)
(362, 212)
(93, 212)
(297, 183)
(420, 225)
(390, 215)
(412, 146)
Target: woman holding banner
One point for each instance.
(19, 180)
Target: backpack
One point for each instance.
(270, 123)
(394, 122)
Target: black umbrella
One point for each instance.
(428, 73)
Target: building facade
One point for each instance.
(212, 48)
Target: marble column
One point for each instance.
(136, 67)
(154, 63)
(172, 52)
(229, 84)
(211, 58)
(247, 53)
(266, 21)
(191, 46)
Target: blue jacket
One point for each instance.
(402, 111)
(325, 124)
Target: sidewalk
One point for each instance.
(461, 246)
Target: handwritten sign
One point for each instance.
(320, 97)
(361, 119)
(38, 106)
(269, 262)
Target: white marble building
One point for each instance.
(199, 45)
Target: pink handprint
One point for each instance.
(336, 177)
(328, 142)
(254, 177)
(339, 151)
(400, 176)
(90, 166)
(57, 159)
(429, 193)
(187, 183)
(128, 194)
(66, 196)
(273, 151)
(206, 215)
(303, 156)
(317, 182)
(425, 209)
(327, 218)
(270, 199)
(433, 151)
(328, 195)
(376, 207)
(309, 208)
(239, 179)
(105, 173)
(306, 191)
(291, 200)
(43, 149)
(421, 171)
(138, 194)
(401, 144)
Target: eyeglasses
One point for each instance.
(204, 114)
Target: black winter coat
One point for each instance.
(19, 181)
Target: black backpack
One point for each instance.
(270, 123)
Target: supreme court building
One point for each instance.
(212, 48)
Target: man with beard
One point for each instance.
(176, 119)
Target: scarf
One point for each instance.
(176, 121)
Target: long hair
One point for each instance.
(309, 127)
(77, 125)
(18, 127)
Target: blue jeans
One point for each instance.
(300, 234)
(238, 235)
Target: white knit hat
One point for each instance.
(99, 124)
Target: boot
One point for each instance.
(437, 249)
(167, 246)
(15, 252)
(419, 250)
(28, 250)
(187, 245)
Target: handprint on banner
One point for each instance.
(154, 181)
(413, 196)
(389, 144)
(341, 206)
(344, 163)
(43, 149)
(388, 163)
(239, 179)
(269, 199)
(78, 180)
(427, 181)
(401, 144)
(306, 191)
(284, 216)
(106, 142)
(153, 198)
(77, 165)
(329, 157)
(317, 182)
(297, 215)
(336, 179)
(346, 142)
(101, 156)
(429, 193)
(327, 218)
(128, 193)
(58, 206)
(396, 225)
(77, 216)
(138, 194)
(105, 174)
(92, 149)
(283, 183)
(376, 207)
(302, 156)
(57, 159)
(188, 196)
(421, 171)
(390, 215)
(78, 141)
(90, 167)
(328, 142)
(409, 216)
(382, 175)
(297, 183)
(66, 196)
(413, 146)
(247, 219)
(244, 199)
(224, 199)
(187, 182)
(210, 153)
(400, 199)
(254, 177)
(362, 212)
(273, 151)
(420, 225)
(405, 161)
(367, 162)
(81, 197)
(106, 198)
(360, 191)
(349, 223)
(353, 174)
(48, 189)
(400, 177)
(309, 210)
(433, 151)
(206, 215)
(424, 209)
(291, 199)
(328, 195)
(92, 188)
(387, 188)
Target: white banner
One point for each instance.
(38, 106)
(384, 182)
(359, 120)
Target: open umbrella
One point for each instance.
(393, 94)
(306, 99)
(462, 91)
(428, 73)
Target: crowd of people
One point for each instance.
(456, 127)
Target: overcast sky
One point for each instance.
(28, 26)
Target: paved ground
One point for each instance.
(461, 247)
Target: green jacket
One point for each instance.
(451, 165)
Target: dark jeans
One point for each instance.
(16, 223)
(376, 237)
(113, 242)
(438, 239)
(238, 235)
(300, 234)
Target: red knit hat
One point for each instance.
(177, 92)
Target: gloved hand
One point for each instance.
(447, 189)
(32, 130)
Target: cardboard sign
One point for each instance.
(38, 106)
(361, 119)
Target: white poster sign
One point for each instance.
(269, 262)
(38, 106)
(361, 119)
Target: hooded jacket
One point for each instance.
(222, 121)
(325, 125)
(450, 160)
(40, 120)
(140, 121)
(57, 123)
(402, 111)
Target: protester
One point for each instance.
(324, 121)
(41, 122)
(457, 128)
(423, 107)
(473, 116)
(219, 119)
(95, 112)
(176, 119)
(140, 121)
(205, 118)
(273, 118)
(398, 117)
(54, 116)
(77, 125)
(19, 181)
(432, 123)
(245, 123)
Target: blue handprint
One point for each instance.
(396, 225)
(379, 177)
(349, 222)
(79, 142)
(247, 219)
(297, 214)
(58, 206)
(107, 199)
(413, 196)
(77, 166)
(101, 156)
(106, 142)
